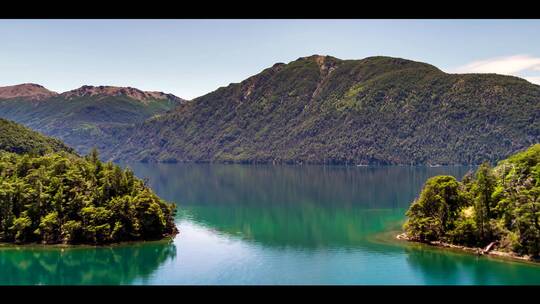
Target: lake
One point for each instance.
(251, 224)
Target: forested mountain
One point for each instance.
(317, 109)
(320, 109)
(86, 117)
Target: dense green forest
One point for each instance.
(317, 109)
(320, 109)
(18, 139)
(500, 204)
(63, 198)
(84, 118)
(49, 194)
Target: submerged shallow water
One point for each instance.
(272, 225)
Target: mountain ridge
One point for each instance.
(26, 90)
(86, 117)
(316, 109)
(324, 110)
(39, 92)
(134, 93)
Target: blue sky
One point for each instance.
(192, 57)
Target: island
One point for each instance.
(51, 195)
(495, 210)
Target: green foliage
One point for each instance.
(324, 110)
(18, 139)
(465, 228)
(60, 197)
(501, 205)
(433, 213)
(482, 189)
(316, 109)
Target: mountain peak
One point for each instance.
(104, 91)
(27, 90)
(319, 59)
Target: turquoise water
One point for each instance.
(272, 225)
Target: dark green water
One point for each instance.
(272, 225)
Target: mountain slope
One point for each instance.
(88, 116)
(18, 139)
(320, 109)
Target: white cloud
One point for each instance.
(514, 65)
(533, 79)
(502, 65)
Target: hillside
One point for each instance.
(86, 117)
(320, 109)
(18, 139)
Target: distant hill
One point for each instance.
(320, 109)
(29, 91)
(18, 139)
(83, 118)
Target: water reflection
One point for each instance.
(443, 266)
(292, 206)
(263, 185)
(36, 265)
(272, 225)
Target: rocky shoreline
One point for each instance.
(489, 250)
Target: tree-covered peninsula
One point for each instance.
(494, 208)
(48, 194)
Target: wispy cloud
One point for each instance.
(514, 65)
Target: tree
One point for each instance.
(434, 212)
(483, 188)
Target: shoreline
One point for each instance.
(474, 250)
(168, 238)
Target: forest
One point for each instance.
(495, 205)
(59, 197)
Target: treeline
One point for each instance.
(63, 198)
(500, 205)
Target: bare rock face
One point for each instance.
(26, 90)
(130, 92)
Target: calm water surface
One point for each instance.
(272, 225)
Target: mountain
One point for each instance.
(321, 109)
(29, 91)
(85, 117)
(136, 94)
(19, 139)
